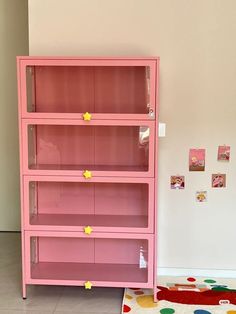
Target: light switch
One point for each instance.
(162, 130)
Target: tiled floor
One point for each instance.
(47, 299)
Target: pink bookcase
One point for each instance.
(88, 147)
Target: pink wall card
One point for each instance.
(201, 196)
(218, 180)
(196, 159)
(177, 182)
(224, 153)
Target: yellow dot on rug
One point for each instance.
(129, 297)
(231, 312)
(146, 301)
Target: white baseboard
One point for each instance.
(193, 272)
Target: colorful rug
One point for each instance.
(182, 295)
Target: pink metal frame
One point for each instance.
(149, 177)
(155, 265)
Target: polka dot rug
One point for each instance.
(183, 295)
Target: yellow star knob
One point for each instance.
(88, 285)
(88, 230)
(87, 174)
(87, 116)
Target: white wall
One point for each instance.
(196, 43)
(13, 41)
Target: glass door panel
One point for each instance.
(99, 260)
(96, 89)
(97, 148)
(104, 206)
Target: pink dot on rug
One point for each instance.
(126, 308)
(191, 279)
(138, 292)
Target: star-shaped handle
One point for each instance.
(87, 174)
(88, 285)
(88, 230)
(87, 116)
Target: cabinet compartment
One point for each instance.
(72, 89)
(105, 260)
(55, 203)
(115, 148)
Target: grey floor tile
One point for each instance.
(24, 312)
(47, 299)
(79, 312)
(40, 298)
(97, 300)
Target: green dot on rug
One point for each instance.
(167, 311)
(209, 281)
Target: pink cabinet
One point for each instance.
(88, 148)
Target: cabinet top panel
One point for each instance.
(88, 61)
(87, 58)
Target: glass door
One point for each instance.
(107, 205)
(111, 260)
(106, 89)
(69, 147)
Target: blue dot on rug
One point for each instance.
(202, 312)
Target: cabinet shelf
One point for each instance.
(95, 116)
(123, 273)
(104, 221)
(105, 168)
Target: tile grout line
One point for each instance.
(54, 310)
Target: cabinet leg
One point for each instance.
(155, 290)
(24, 292)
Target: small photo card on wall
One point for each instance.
(224, 153)
(177, 182)
(201, 196)
(196, 159)
(218, 180)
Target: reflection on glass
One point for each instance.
(144, 133)
(30, 89)
(33, 250)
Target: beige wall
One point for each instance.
(196, 43)
(13, 41)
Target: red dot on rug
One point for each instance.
(135, 288)
(191, 279)
(126, 309)
(138, 292)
